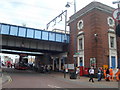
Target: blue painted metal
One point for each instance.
(20, 31)
(113, 62)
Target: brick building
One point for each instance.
(92, 37)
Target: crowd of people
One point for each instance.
(108, 74)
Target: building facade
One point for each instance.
(92, 37)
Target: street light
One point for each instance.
(68, 5)
(116, 2)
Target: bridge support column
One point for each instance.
(53, 66)
(59, 64)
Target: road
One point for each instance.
(30, 79)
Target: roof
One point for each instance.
(90, 7)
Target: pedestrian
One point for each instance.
(78, 72)
(11, 65)
(111, 74)
(91, 74)
(104, 72)
(107, 75)
(99, 74)
(117, 74)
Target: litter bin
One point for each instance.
(73, 75)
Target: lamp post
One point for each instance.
(68, 5)
(75, 39)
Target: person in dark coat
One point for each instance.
(107, 75)
(99, 74)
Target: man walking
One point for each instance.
(91, 73)
(99, 74)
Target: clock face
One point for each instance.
(80, 24)
(111, 22)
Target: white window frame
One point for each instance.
(112, 35)
(112, 42)
(108, 20)
(78, 24)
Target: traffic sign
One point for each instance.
(116, 14)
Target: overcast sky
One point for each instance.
(37, 13)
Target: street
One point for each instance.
(31, 79)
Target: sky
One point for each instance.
(37, 13)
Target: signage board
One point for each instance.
(93, 62)
(69, 66)
(116, 14)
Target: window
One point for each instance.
(37, 34)
(5, 29)
(44, 35)
(113, 62)
(30, 33)
(22, 32)
(13, 30)
(81, 61)
(51, 36)
(80, 44)
(111, 21)
(80, 24)
(112, 42)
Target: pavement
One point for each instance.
(85, 80)
(4, 77)
(66, 77)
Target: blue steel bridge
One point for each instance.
(18, 38)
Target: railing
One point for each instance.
(27, 32)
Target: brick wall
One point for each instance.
(95, 22)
